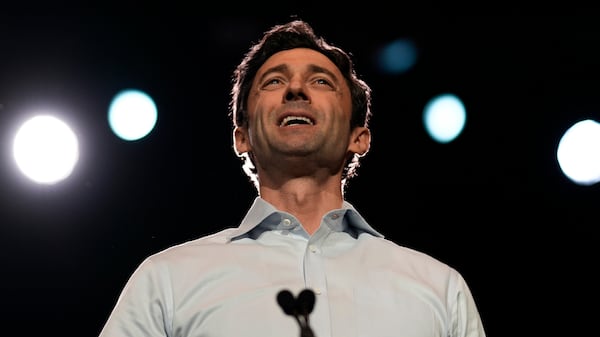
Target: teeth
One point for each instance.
(296, 119)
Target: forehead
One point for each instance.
(299, 59)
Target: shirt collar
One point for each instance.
(261, 210)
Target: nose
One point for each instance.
(296, 92)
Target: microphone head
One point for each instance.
(306, 301)
(287, 302)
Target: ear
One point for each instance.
(241, 142)
(360, 140)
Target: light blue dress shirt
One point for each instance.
(226, 284)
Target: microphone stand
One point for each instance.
(305, 329)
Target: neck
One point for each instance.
(305, 199)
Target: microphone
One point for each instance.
(299, 307)
(306, 302)
(287, 302)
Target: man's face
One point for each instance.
(299, 110)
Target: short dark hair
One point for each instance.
(297, 34)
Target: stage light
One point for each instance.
(132, 114)
(45, 149)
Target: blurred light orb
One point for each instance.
(578, 152)
(444, 118)
(132, 114)
(45, 149)
(397, 57)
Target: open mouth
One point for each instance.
(296, 120)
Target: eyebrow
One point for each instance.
(312, 68)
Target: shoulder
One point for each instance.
(206, 245)
(396, 256)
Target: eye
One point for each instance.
(322, 82)
(272, 82)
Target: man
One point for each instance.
(300, 117)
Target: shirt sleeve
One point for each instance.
(144, 305)
(465, 318)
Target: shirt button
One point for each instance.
(335, 216)
(312, 248)
(287, 222)
(317, 291)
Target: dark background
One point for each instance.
(493, 204)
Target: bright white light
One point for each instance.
(132, 114)
(578, 152)
(45, 149)
(444, 118)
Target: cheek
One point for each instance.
(254, 131)
(254, 99)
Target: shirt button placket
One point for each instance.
(313, 266)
